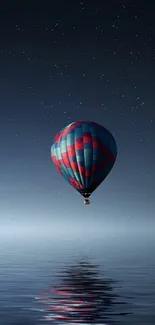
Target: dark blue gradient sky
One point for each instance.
(61, 62)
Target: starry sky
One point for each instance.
(66, 61)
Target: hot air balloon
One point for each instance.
(84, 153)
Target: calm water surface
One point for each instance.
(27, 267)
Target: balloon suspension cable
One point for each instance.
(86, 196)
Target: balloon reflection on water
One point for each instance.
(83, 297)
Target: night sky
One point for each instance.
(64, 61)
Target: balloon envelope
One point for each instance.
(84, 154)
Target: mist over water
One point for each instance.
(31, 259)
